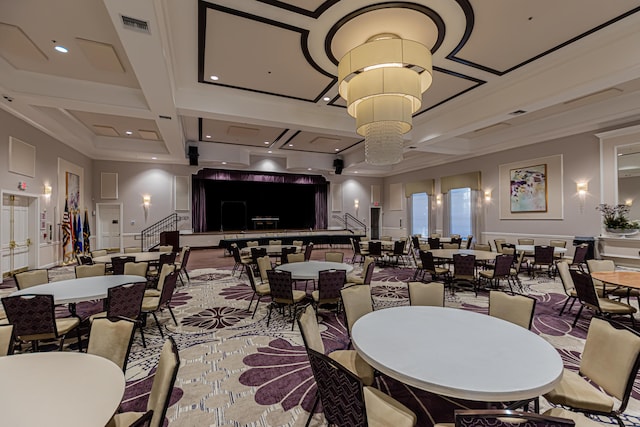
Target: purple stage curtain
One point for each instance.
(199, 202)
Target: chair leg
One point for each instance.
(313, 409)
(144, 342)
(577, 316)
(256, 309)
(251, 302)
(157, 324)
(564, 306)
(79, 339)
(172, 315)
(269, 316)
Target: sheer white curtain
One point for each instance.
(477, 214)
(446, 214)
(433, 214)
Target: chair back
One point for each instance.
(99, 252)
(31, 278)
(132, 249)
(585, 291)
(558, 243)
(184, 257)
(165, 248)
(450, 246)
(416, 241)
(118, 262)
(368, 271)
(170, 258)
(308, 324)
(295, 258)
(502, 266)
(565, 277)
(456, 241)
(258, 253)
(464, 265)
(298, 243)
(355, 245)
(375, 248)
(543, 254)
(90, 270)
(580, 254)
(469, 240)
(168, 288)
(252, 278)
(136, 268)
(519, 260)
(357, 302)
(84, 259)
(252, 243)
(526, 241)
(235, 252)
(507, 418)
(398, 247)
(498, 243)
(340, 391)
(264, 265)
(6, 340)
(163, 382)
(611, 358)
(428, 264)
(426, 294)
(280, 284)
(517, 309)
(307, 251)
(433, 242)
(600, 265)
(125, 301)
(435, 235)
(481, 247)
(111, 339)
(334, 256)
(166, 269)
(284, 257)
(32, 316)
(330, 282)
(275, 242)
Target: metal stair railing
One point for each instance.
(354, 224)
(150, 236)
(340, 220)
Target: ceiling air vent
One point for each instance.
(135, 24)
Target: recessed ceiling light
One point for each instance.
(336, 149)
(61, 49)
(129, 132)
(154, 158)
(308, 169)
(356, 172)
(269, 151)
(290, 145)
(208, 136)
(266, 143)
(326, 98)
(214, 78)
(224, 163)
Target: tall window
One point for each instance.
(460, 211)
(420, 214)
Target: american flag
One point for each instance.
(67, 244)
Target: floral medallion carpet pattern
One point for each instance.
(238, 371)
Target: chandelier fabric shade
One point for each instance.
(383, 81)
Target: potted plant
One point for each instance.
(615, 219)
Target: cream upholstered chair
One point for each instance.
(153, 304)
(6, 340)
(132, 250)
(264, 265)
(345, 401)
(111, 339)
(610, 360)
(136, 268)
(283, 295)
(330, 282)
(98, 252)
(165, 248)
(506, 418)
(498, 244)
(558, 244)
(517, 309)
(31, 278)
(481, 247)
(334, 256)
(240, 261)
(161, 389)
(429, 266)
(357, 302)
(429, 294)
(359, 279)
(298, 243)
(567, 283)
(579, 419)
(90, 270)
(299, 257)
(252, 243)
(450, 246)
(526, 241)
(166, 269)
(259, 291)
(181, 264)
(275, 242)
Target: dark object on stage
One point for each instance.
(193, 155)
(338, 164)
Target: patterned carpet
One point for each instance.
(237, 371)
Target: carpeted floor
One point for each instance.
(237, 371)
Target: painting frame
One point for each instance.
(528, 189)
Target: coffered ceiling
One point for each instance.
(143, 80)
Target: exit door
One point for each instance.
(109, 224)
(375, 223)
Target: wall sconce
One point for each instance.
(356, 205)
(439, 199)
(146, 201)
(582, 188)
(628, 202)
(487, 196)
(47, 190)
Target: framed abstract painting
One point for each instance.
(528, 189)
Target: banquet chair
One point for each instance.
(429, 266)
(588, 297)
(501, 271)
(259, 291)
(435, 235)
(607, 265)
(111, 338)
(33, 317)
(558, 244)
(346, 402)
(507, 418)
(275, 242)
(151, 304)
(498, 244)
(84, 259)
(515, 308)
(136, 268)
(529, 242)
(155, 292)
(451, 245)
(357, 301)
(398, 252)
(181, 265)
(329, 284)
(284, 255)
(124, 302)
(455, 241)
(92, 270)
(578, 418)
(118, 262)
(433, 242)
(165, 248)
(481, 247)
(567, 284)
(99, 252)
(375, 251)
(464, 268)
(132, 250)
(469, 241)
(334, 256)
(350, 359)
(264, 265)
(252, 243)
(365, 276)
(358, 252)
(165, 258)
(299, 257)
(542, 260)
(426, 294)
(7, 340)
(298, 243)
(283, 295)
(307, 251)
(161, 388)
(31, 278)
(608, 368)
(580, 256)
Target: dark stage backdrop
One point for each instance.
(227, 200)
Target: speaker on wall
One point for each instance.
(338, 164)
(193, 155)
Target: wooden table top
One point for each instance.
(629, 279)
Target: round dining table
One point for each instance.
(448, 254)
(309, 270)
(530, 249)
(59, 388)
(140, 256)
(458, 353)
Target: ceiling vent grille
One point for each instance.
(135, 24)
